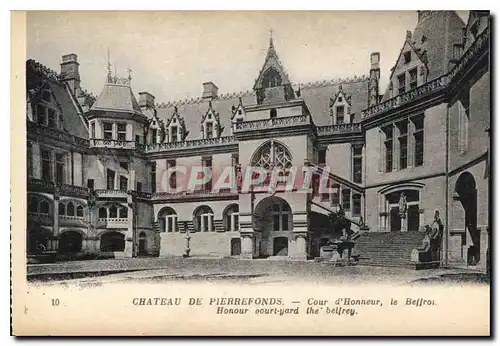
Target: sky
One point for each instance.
(172, 53)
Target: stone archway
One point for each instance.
(467, 194)
(273, 218)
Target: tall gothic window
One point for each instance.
(418, 137)
(357, 163)
(388, 148)
(403, 144)
(272, 154)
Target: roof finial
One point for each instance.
(271, 45)
(109, 78)
(129, 70)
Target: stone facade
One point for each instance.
(99, 168)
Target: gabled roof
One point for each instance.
(433, 38)
(117, 98)
(272, 60)
(37, 75)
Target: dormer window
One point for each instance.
(407, 57)
(413, 78)
(209, 129)
(173, 134)
(210, 123)
(240, 112)
(154, 136)
(340, 115)
(401, 83)
(340, 108)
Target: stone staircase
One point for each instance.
(387, 248)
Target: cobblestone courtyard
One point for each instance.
(230, 269)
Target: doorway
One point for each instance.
(280, 246)
(466, 189)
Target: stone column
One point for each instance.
(56, 213)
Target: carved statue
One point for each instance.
(402, 204)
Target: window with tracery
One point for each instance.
(273, 154)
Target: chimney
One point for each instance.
(146, 100)
(69, 72)
(375, 60)
(209, 91)
(422, 15)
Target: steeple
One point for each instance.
(273, 84)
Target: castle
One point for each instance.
(105, 174)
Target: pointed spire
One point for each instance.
(271, 44)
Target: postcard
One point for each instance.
(248, 173)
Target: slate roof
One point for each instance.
(117, 97)
(316, 95)
(73, 122)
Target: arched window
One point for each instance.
(44, 207)
(70, 209)
(113, 212)
(203, 219)
(272, 113)
(62, 208)
(103, 213)
(281, 215)
(167, 219)
(231, 218)
(272, 154)
(271, 78)
(79, 210)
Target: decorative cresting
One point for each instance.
(116, 144)
(175, 128)
(38, 185)
(197, 143)
(44, 131)
(210, 123)
(340, 107)
(435, 85)
(469, 56)
(199, 194)
(342, 128)
(272, 123)
(272, 154)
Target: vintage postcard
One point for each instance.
(251, 173)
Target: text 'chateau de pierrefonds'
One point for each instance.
(398, 161)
